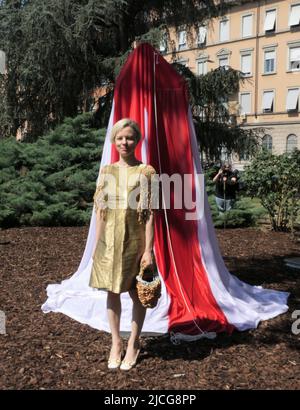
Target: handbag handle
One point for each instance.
(143, 268)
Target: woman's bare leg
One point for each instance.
(138, 317)
(114, 313)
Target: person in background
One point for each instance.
(226, 183)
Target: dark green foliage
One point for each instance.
(54, 51)
(244, 213)
(275, 179)
(52, 181)
(58, 51)
(209, 96)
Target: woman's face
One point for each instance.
(125, 142)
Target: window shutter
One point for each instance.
(295, 54)
(224, 30)
(245, 103)
(294, 19)
(270, 20)
(292, 99)
(247, 25)
(182, 37)
(223, 61)
(246, 63)
(202, 35)
(268, 98)
(270, 55)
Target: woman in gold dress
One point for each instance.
(124, 236)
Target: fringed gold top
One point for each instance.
(145, 208)
(100, 196)
(145, 199)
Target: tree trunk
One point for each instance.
(123, 35)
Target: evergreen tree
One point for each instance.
(51, 181)
(210, 96)
(59, 50)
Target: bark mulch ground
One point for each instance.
(53, 351)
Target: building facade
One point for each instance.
(262, 39)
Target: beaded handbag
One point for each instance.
(148, 286)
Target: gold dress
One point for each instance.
(124, 199)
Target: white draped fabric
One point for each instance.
(76, 299)
(243, 305)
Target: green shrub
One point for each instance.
(52, 181)
(275, 179)
(245, 212)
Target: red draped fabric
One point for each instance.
(147, 78)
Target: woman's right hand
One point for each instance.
(147, 259)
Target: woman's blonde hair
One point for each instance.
(123, 123)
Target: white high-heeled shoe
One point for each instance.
(114, 363)
(128, 365)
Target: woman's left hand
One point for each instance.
(147, 259)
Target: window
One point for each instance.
(163, 45)
(183, 61)
(294, 19)
(223, 57)
(268, 101)
(270, 21)
(245, 103)
(292, 99)
(182, 40)
(244, 156)
(269, 61)
(224, 30)
(224, 61)
(247, 23)
(201, 67)
(224, 154)
(291, 143)
(201, 40)
(267, 143)
(246, 64)
(294, 58)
